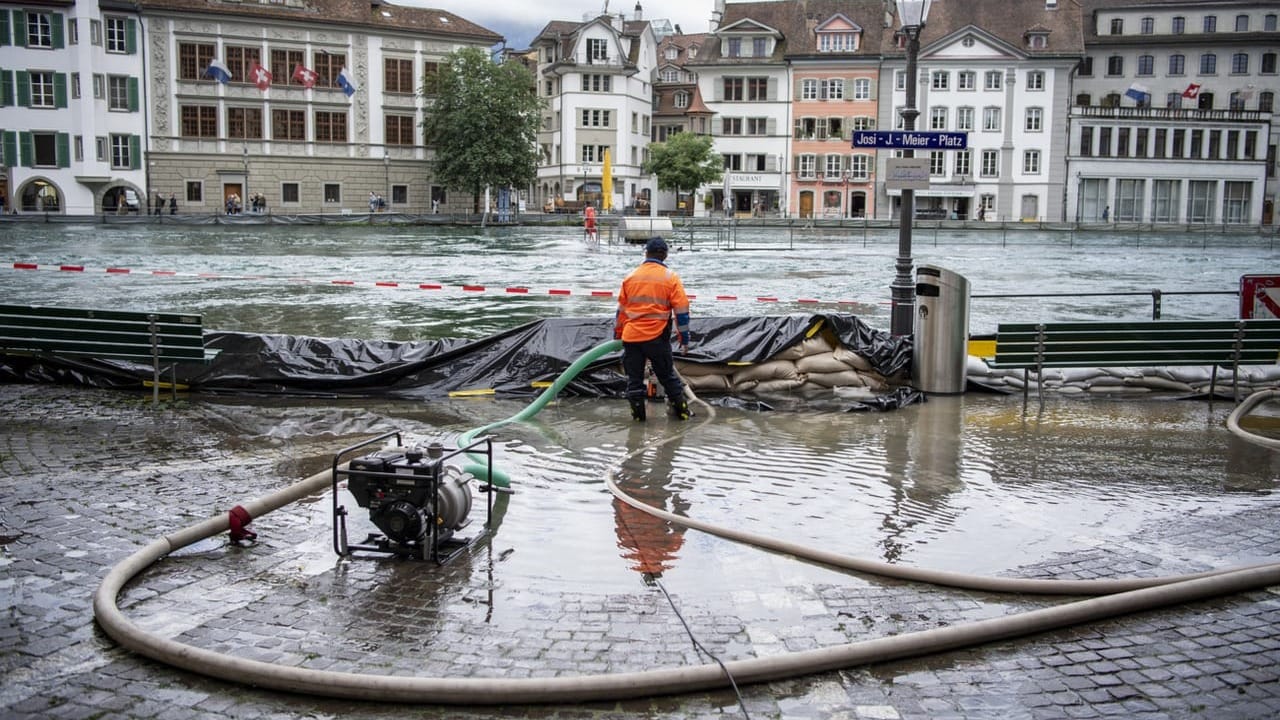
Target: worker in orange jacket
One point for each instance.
(589, 223)
(649, 296)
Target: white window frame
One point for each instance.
(937, 118)
(122, 95)
(940, 80)
(117, 35)
(120, 158)
(835, 88)
(42, 89)
(862, 89)
(808, 169)
(990, 163)
(964, 118)
(1034, 119)
(991, 119)
(859, 166)
(993, 80)
(966, 80)
(39, 30)
(1035, 80)
(809, 89)
(1031, 162)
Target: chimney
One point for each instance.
(717, 14)
(1050, 4)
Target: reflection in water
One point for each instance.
(923, 458)
(650, 544)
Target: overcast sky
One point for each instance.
(519, 20)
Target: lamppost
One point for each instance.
(912, 14)
(244, 197)
(386, 174)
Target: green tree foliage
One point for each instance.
(684, 162)
(482, 121)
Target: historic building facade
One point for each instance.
(596, 78)
(1173, 117)
(72, 108)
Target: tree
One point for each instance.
(482, 120)
(684, 162)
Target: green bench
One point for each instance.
(150, 338)
(1225, 343)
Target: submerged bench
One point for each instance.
(1217, 343)
(142, 337)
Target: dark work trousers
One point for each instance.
(658, 352)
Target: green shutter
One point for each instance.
(60, 90)
(27, 149)
(131, 36)
(9, 148)
(6, 85)
(135, 152)
(24, 88)
(57, 30)
(4, 27)
(133, 94)
(19, 28)
(64, 150)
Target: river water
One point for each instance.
(966, 483)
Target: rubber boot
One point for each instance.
(637, 409)
(679, 409)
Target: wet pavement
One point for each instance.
(91, 476)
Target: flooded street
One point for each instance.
(1091, 486)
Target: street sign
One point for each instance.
(902, 140)
(907, 174)
(1260, 296)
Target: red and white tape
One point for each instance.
(398, 285)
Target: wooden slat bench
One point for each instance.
(144, 337)
(1226, 343)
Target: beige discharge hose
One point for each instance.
(1244, 408)
(1127, 596)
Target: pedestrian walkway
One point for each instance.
(90, 476)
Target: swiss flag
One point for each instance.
(259, 76)
(1192, 91)
(304, 76)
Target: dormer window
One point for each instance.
(672, 53)
(693, 51)
(681, 99)
(837, 42)
(1037, 40)
(597, 50)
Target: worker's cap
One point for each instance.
(655, 245)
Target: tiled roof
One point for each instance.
(1006, 20)
(366, 14)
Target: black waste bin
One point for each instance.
(940, 347)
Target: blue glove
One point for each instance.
(684, 338)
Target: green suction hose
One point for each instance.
(478, 466)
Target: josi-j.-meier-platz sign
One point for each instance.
(904, 140)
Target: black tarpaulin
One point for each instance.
(508, 362)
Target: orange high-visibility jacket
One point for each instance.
(649, 295)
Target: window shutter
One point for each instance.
(798, 90)
(871, 89)
(4, 27)
(717, 125)
(27, 151)
(772, 90)
(848, 128)
(64, 150)
(24, 88)
(133, 94)
(796, 129)
(771, 127)
(19, 28)
(10, 147)
(795, 165)
(848, 89)
(57, 30)
(6, 84)
(822, 89)
(131, 36)
(135, 152)
(60, 90)
(720, 91)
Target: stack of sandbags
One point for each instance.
(815, 362)
(1126, 381)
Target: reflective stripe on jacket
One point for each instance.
(649, 295)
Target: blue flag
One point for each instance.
(344, 82)
(218, 71)
(1138, 92)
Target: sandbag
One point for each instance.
(1156, 382)
(814, 345)
(771, 370)
(708, 383)
(826, 362)
(689, 369)
(847, 378)
(851, 358)
(779, 385)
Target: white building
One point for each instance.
(596, 78)
(744, 80)
(1173, 119)
(1000, 72)
(71, 108)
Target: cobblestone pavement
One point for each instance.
(90, 476)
